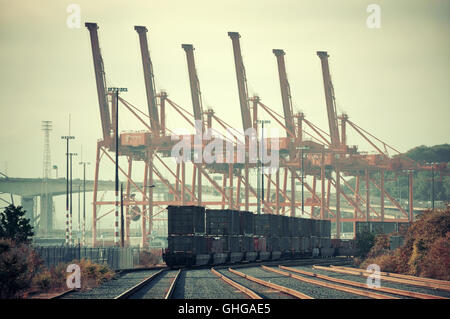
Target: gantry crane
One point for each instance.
(330, 100)
(149, 80)
(100, 81)
(154, 143)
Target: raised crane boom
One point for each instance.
(195, 86)
(241, 81)
(100, 81)
(149, 80)
(330, 100)
(285, 93)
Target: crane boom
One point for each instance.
(100, 81)
(149, 79)
(285, 93)
(241, 81)
(194, 82)
(330, 100)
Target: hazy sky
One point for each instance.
(392, 81)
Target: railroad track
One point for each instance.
(159, 285)
(300, 283)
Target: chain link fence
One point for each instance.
(116, 258)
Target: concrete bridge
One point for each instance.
(31, 188)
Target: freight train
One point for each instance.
(199, 236)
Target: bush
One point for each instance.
(438, 260)
(18, 265)
(425, 253)
(43, 281)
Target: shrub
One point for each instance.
(43, 281)
(426, 251)
(437, 260)
(18, 265)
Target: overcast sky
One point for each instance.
(393, 81)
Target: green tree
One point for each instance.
(14, 226)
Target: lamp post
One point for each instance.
(70, 219)
(83, 239)
(116, 90)
(67, 138)
(261, 161)
(303, 148)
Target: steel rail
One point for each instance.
(390, 274)
(64, 293)
(172, 285)
(365, 286)
(286, 290)
(330, 285)
(387, 278)
(137, 287)
(245, 290)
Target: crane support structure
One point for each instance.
(330, 101)
(241, 81)
(193, 80)
(148, 78)
(285, 93)
(100, 81)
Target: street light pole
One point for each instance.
(70, 218)
(67, 138)
(83, 240)
(262, 162)
(116, 217)
(303, 148)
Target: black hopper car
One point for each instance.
(199, 236)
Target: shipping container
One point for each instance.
(273, 243)
(294, 226)
(222, 222)
(304, 227)
(267, 225)
(260, 244)
(185, 220)
(284, 225)
(247, 223)
(295, 243)
(285, 243)
(247, 244)
(193, 244)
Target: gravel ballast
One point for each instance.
(112, 288)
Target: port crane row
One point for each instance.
(305, 150)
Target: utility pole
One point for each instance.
(261, 160)
(116, 217)
(70, 218)
(67, 138)
(303, 148)
(79, 227)
(122, 237)
(46, 208)
(83, 239)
